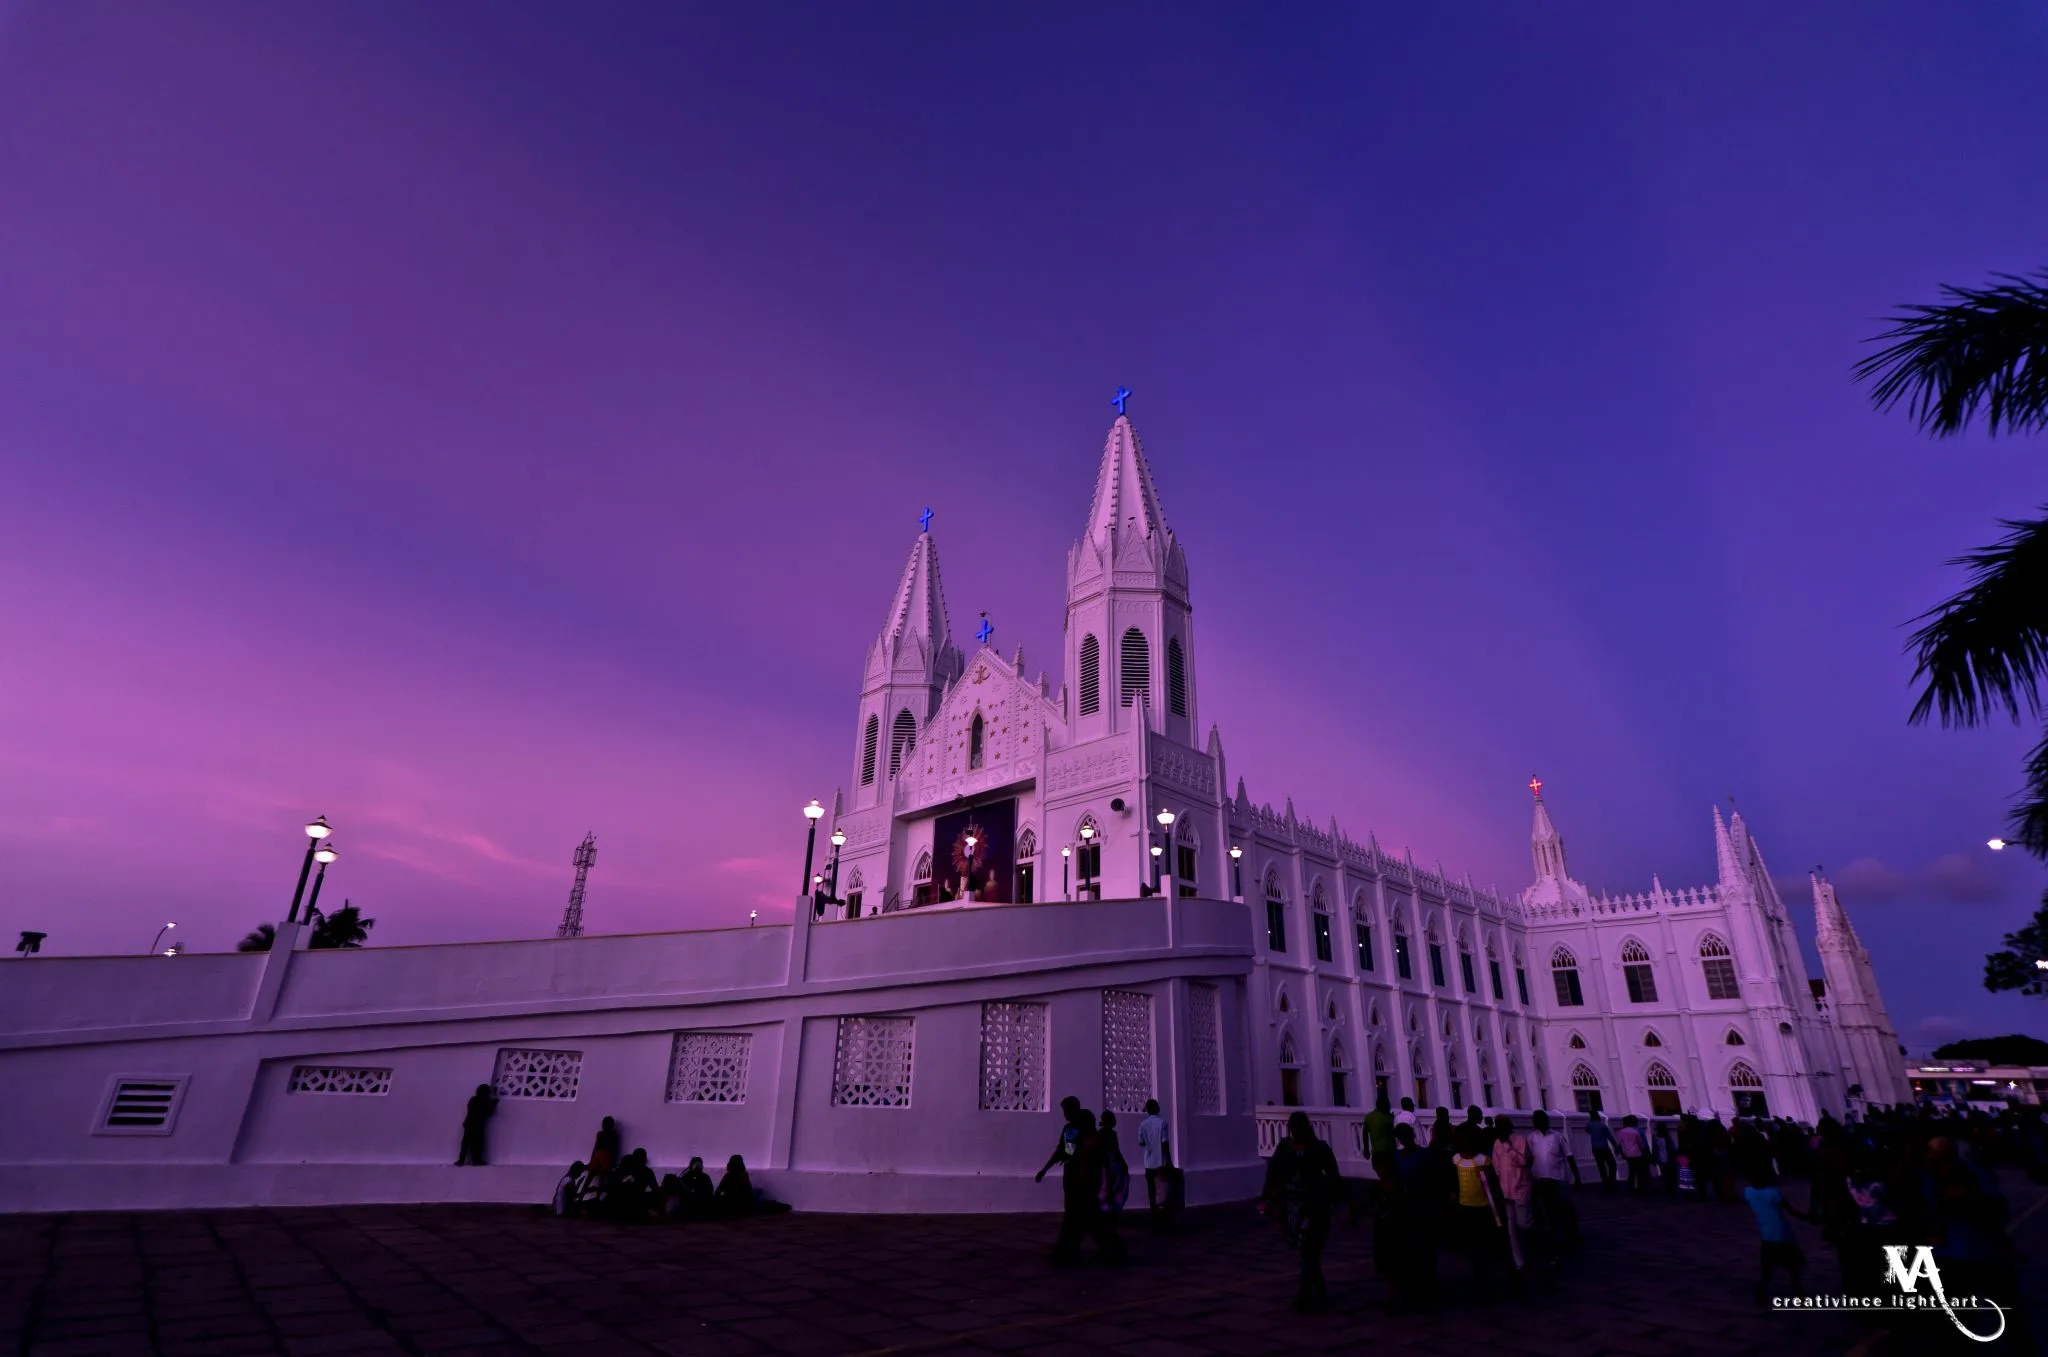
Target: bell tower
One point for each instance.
(1130, 639)
(910, 666)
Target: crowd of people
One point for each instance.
(614, 1186)
(1499, 1193)
(1095, 1179)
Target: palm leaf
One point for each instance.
(1985, 649)
(1981, 348)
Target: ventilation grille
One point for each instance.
(709, 1067)
(867, 751)
(1091, 676)
(538, 1074)
(339, 1079)
(143, 1106)
(1176, 678)
(1137, 670)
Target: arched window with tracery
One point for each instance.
(1340, 1075)
(1137, 667)
(921, 880)
(1564, 972)
(1091, 676)
(1747, 1090)
(856, 893)
(1663, 1089)
(869, 743)
(902, 740)
(1635, 969)
(1187, 858)
(1026, 868)
(1585, 1087)
(1276, 914)
(1719, 968)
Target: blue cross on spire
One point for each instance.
(1123, 394)
(986, 630)
(924, 520)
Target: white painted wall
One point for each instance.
(234, 1027)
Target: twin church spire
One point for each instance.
(1129, 637)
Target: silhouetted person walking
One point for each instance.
(481, 1104)
(1079, 1155)
(1302, 1190)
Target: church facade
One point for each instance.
(1037, 891)
(975, 786)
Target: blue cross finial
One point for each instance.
(986, 630)
(1123, 394)
(924, 520)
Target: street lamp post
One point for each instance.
(1165, 819)
(323, 855)
(160, 935)
(315, 832)
(1066, 863)
(1236, 872)
(832, 871)
(813, 813)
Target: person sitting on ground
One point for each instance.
(695, 1192)
(633, 1195)
(737, 1195)
(569, 1191)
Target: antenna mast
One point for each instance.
(572, 917)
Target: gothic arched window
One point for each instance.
(975, 740)
(1091, 675)
(1719, 968)
(869, 743)
(1176, 678)
(1635, 969)
(902, 739)
(1585, 1087)
(1734, 1038)
(1659, 1076)
(1027, 845)
(1137, 667)
(1650, 1038)
(1577, 1043)
(1740, 1075)
(1564, 971)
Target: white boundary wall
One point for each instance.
(226, 1032)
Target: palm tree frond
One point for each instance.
(1985, 649)
(1981, 348)
(260, 939)
(2029, 823)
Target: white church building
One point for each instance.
(1039, 891)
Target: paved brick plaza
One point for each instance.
(1656, 1278)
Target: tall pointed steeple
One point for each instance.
(910, 665)
(1130, 629)
(1725, 857)
(1553, 888)
(1830, 922)
(1126, 503)
(917, 628)
(1546, 845)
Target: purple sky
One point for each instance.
(486, 422)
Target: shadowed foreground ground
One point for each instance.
(1656, 1278)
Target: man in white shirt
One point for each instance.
(1406, 1117)
(1158, 1152)
(1550, 1155)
